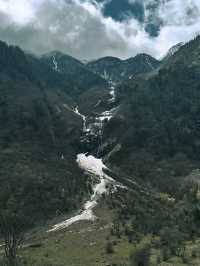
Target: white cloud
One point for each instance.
(180, 12)
(79, 28)
(20, 11)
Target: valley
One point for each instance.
(100, 160)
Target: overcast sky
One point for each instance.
(84, 29)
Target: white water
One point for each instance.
(85, 129)
(94, 167)
(107, 115)
(112, 92)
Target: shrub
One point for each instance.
(165, 253)
(171, 238)
(141, 255)
(195, 253)
(109, 248)
(185, 258)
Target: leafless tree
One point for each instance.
(11, 230)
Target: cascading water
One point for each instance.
(93, 166)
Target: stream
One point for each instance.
(95, 168)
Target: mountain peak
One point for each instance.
(54, 53)
(140, 56)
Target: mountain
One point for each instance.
(105, 67)
(153, 144)
(140, 64)
(72, 68)
(61, 62)
(38, 129)
(157, 124)
(119, 70)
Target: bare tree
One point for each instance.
(11, 230)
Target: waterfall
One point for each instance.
(94, 167)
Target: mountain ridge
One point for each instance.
(119, 70)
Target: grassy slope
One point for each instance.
(82, 244)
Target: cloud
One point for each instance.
(79, 27)
(19, 11)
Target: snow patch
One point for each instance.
(55, 64)
(105, 75)
(149, 63)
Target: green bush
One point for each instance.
(109, 248)
(141, 255)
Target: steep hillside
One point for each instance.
(39, 138)
(157, 126)
(106, 66)
(74, 70)
(88, 88)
